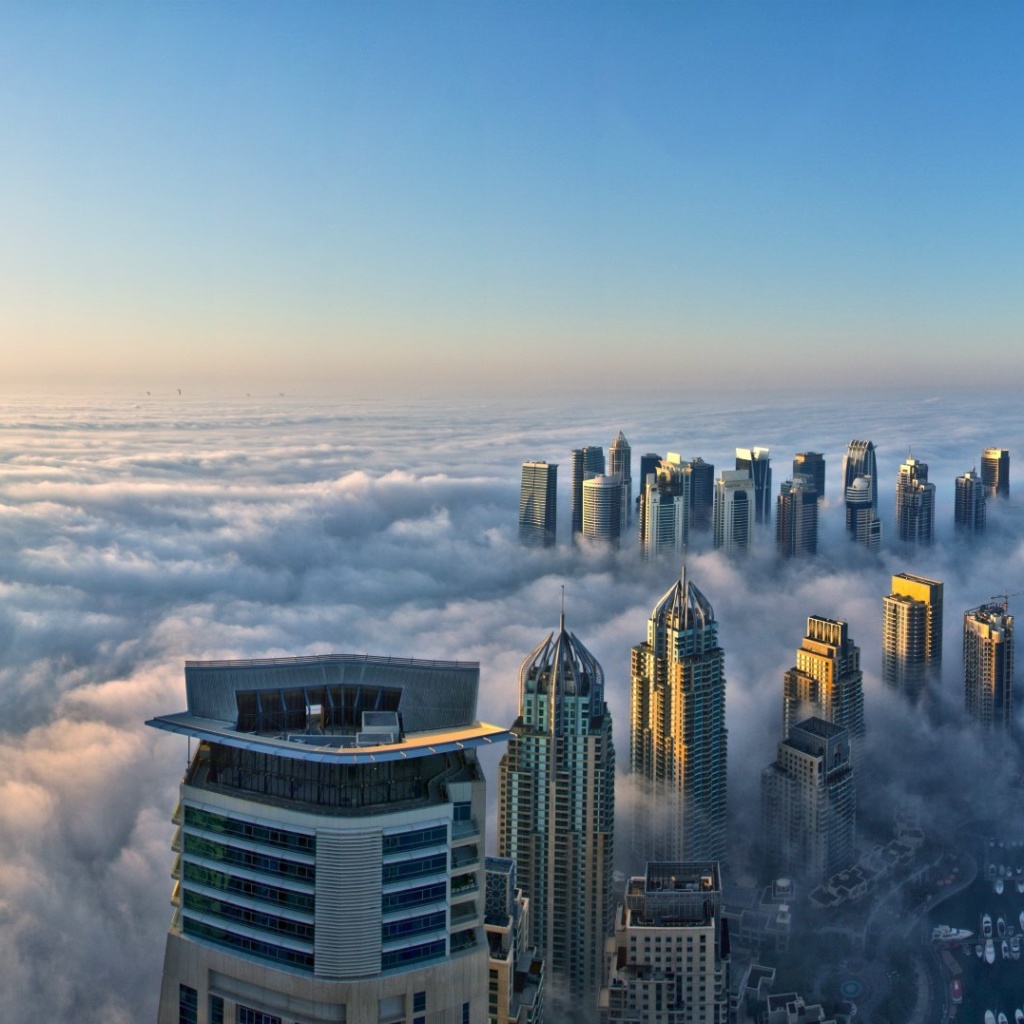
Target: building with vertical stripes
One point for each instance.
(988, 666)
(538, 503)
(912, 634)
(329, 852)
(969, 506)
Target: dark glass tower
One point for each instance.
(586, 462)
(538, 503)
(756, 462)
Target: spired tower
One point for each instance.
(556, 809)
(678, 739)
(620, 458)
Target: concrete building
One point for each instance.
(620, 461)
(602, 509)
(912, 634)
(556, 810)
(329, 852)
(666, 508)
(586, 462)
(995, 472)
(538, 503)
(648, 464)
(759, 467)
(915, 503)
(988, 666)
(859, 463)
(862, 524)
(734, 511)
(669, 960)
(808, 803)
(516, 973)
(678, 739)
(970, 505)
(796, 518)
(826, 681)
(811, 464)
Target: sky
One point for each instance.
(452, 198)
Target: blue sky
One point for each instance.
(430, 197)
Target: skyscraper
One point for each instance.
(586, 462)
(796, 518)
(666, 508)
(702, 493)
(602, 509)
(734, 511)
(620, 458)
(678, 739)
(826, 681)
(970, 505)
(862, 525)
(757, 464)
(915, 503)
(988, 666)
(912, 634)
(808, 803)
(538, 503)
(811, 464)
(995, 472)
(648, 464)
(557, 806)
(330, 838)
(670, 959)
(859, 462)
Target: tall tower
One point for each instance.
(757, 464)
(826, 681)
(538, 503)
(602, 509)
(330, 838)
(678, 737)
(915, 503)
(969, 508)
(648, 465)
(734, 511)
(811, 464)
(995, 472)
(670, 955)
(912, 634)
(702, 493)
(557, 807)
(666, 509)
(796, 518)
(586, 462)
(859, 462)
(620, 459)
(808, 802)
(988, 666)
(862, 525)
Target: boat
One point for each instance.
(944, 933)
(1015, 947)
(1000, 927)
(1020, 886)
(1005, 950)
(986, 925)
(1002, 1018)
(980, 950)
(956, 991)
(998, 886)
(1021, 919)
(990, 951)
(1018, 1017)
(990, 1017)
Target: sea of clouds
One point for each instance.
(138, 533)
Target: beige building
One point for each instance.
(912, 634)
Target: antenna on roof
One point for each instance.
(561, 614)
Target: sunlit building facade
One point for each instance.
(678, 739)
(666, 508)
(602, 509)
(811, 464)
(995, 472)
(912, 634)
(988, 666)
(915, 503)
(329, 852)
(734, 512)
(970, 505)
(538, 503)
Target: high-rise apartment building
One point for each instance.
(915, 503)
(330, 843)
(538, 503)
(988, 666)
(648, 464)
(516, 987)
(758, 465)
(666, 508)
(808, 803)
(734, 511)
(811, 464)
(678, 739)
(602, 509)
(858, 463)
(796, 518)
(620, 459)
(826, 681)
(912, 634)
(702, 493)
(995, 472)
(586, 462)
(556, 809)
(970, 505)
(862, 525)
(670, 960)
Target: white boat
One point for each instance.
(1015, 947)
(1000, 927)
(990, 1017)
(944, 933)
(1021, 919)
(1020, 886)
(1006, 950)
(998, 886)
(980, 950)
(990, 951)
(1002, 1018)
(1018, 1017)
(986, 925)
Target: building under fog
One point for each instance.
(734, 511)
(665, 508)
(586, 462)
(970, 506)
(912, 634)
(796, 518)
(758, 465)
(988, 666)
(995, 472)
(329, 849)
(915, 503)
(538, 503)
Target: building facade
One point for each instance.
(734, 512)
(702, 494)
(912, 634)
(556, 809)
(678, 739)
(859, 463)
(669, 961)
(811, 464)
(988, 666)
(809, 803)
(970, 506)
(796, 518)
(620, 461)
(862, 524)
(915, 503)
(758, 465)
(995, 472)
(586, 462)
(330, 844)
(666, 508)
(602, 509)
(826, 681)
(538, 503)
